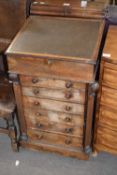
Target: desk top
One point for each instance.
(53, 37)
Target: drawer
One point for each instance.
(64, 95)
(53, 105)
(108, 118)
(55, 139)
(46, 125)
(53, 117)
(110, 77)
(59, 69)
(52, 83)
(109, 97)
(107, 138)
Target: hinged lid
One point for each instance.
(59, 38)
(75, 8)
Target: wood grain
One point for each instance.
(76, 96)
(93, 9)
(48, 104)
(56, 139)
(35, 81)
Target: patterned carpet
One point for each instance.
(41, 163)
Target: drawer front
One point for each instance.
(59, 69)
(35, 81)
(110, 77)
(43, 125)
(55, 139)
(53, 105)
(64, 95)
(108, 118)
(47, 125)
(107, 138)
(109, 97)
(53, 117)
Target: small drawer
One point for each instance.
(109, 97)
(55, 139)
(52, 83)
(53, 105)
(110, 77)
(53, 117)
(76, 96)
(108, 118)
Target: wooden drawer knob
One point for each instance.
(69, 84)
(68, 119)
(36, 91)
(35, 80)
(68, 95)
(69, 130)
(68, 141)
(68, 108)
(36, 103)
(39, 125)
(38, 114)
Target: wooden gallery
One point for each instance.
(58, 75)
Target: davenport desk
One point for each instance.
(53, 63)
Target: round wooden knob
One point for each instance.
(68, 95)
(36, 91)
(69, 130)
(68, 119)
(69, 84)
(35, 80)
(38, 114)
(68, 141)
(36, 103)
(68, 108)
(39, 125)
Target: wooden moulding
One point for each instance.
(14, 78)
(91, 91)
(98, 106)
(51, 148)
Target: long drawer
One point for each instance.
(55, 139)
(54, 117)
(64, 95)
(59, 69)
(53, 105)
(35, 81)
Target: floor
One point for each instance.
(40, 163)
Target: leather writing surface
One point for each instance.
(57, 36)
